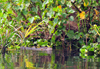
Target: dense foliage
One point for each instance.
(59, 23)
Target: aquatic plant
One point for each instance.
(52, 23)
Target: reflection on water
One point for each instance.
(26, 59)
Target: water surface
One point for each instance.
(28, 59)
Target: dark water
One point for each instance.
(26, 59)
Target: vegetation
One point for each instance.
(71, 24)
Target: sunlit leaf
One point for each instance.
(72, 0)
(60, 7)
(71, 18)
(86, 4)
(18, 4)
(68, 3)
(3, 0)
(31, 19)
(10, 11)
(63, 1)
(96, 11)
(82, 15)
(70, 10)
(50, 13)
(32, 30)
(36, 17)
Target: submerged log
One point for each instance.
(37, 49)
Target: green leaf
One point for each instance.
(1, 14)
(53, 39)
(25, 12)
(5, 15)
(19, 17)
(3, 0)
(91, 49)
(70, 34)
(98, 39)
(82, 50)
(86, 1)
(68, 3)
(98, 46)
(64, 15)
(55, 21)
(36, 17)
(62, 1)
(43, 14)
(10, 36)
(71, 18)
(28, 32)
(45, 43)
(50, 13)
(77, 37)
(31, 19)
(51, 30)
(70, 10)
(10, 11)
(34, 9)
(46, 20)
(58, 33)
(8, 6)
(44, 3)
(78, 34)
(55, 9)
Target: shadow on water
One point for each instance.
(56, 59)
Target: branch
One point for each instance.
(39, 11)
(24, 17)
(76, 7)
(14, 12)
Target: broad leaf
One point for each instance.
(70, 34)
